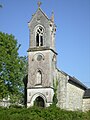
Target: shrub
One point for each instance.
(35, 113)
(15, 106)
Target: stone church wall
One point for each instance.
(70, 97)
(86, 104)
(74, 97)
(62, 90)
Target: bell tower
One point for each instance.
(41, 59)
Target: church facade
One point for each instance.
(43, 75)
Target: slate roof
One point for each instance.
(87, 93)
(74, 81)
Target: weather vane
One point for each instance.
(39, 3)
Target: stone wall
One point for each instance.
(45, 93)
(4, 103)
(70, 97)
(86, 104)
(62, 90)
(74, 97)
(45, 65)
(40, 19)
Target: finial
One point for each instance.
(52, 17)
(39, 4)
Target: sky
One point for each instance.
(72, 18)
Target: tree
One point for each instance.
(12, 68)
(1, 6)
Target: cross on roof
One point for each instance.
(39, 4)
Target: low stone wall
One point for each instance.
(4, 103)
(86, 104)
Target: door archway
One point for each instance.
(39, 102)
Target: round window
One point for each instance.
(39, 57)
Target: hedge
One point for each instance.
(35, 113)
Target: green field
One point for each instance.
(34, 113)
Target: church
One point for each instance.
(44, 78)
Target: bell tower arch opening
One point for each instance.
(39, 36)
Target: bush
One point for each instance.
(15, 106)
(35, 113)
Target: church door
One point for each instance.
(39, 102)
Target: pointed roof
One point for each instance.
(38, 10)
(43, 13)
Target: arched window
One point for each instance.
(39, 36)
(39, 77)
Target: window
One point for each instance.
(39, 77)
(39, 36)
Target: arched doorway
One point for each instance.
(39, 102)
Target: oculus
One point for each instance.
(39, 57)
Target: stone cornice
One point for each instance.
(39, 87)
(40, 49)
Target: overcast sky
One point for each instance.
(72, 18)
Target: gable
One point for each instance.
(38, 17)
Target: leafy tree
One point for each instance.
(12, 68)
(55, 85)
